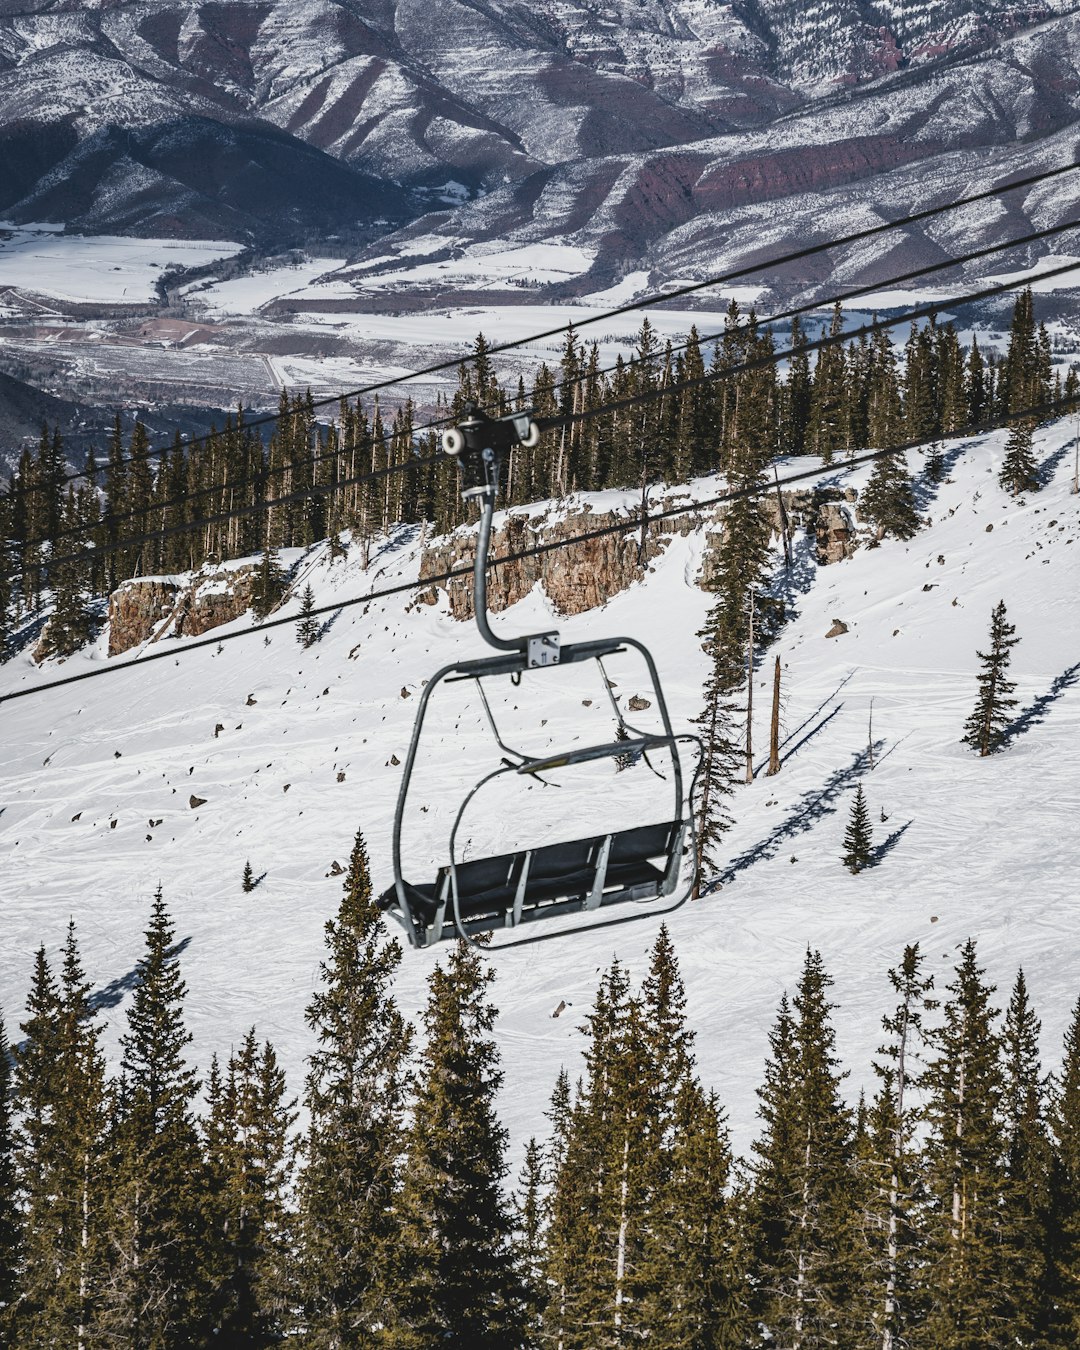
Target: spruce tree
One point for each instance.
(529, 1236)
(355, 1093)
(1019, 470)
(889, 499)
(9, 1206)
(248, 1157)
(719, 766)
(247, 881)
(307, 626)
(1024, 1283)
(965, 1171)
(156, 1291)
(38, 1145)
(455, 1281)
(806, 1256)
(892, 1235)
(1063, 1248)
(985, 730)
(268, 585)
(859, 836)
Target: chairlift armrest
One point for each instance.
(634, 745)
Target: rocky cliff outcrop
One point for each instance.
(582, 576)
(148, 607)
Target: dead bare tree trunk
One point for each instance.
(774, 724)
(750, 696)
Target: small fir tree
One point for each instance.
(1024, 1286)
(1019, 471)
(455, 1280)
(964, 1169)
(9, 1208)
(355, 1094)
(248, 1154)
(269, 584)
(247, 883)
(156, 1288)
(889, 499)
(985, 730)
(1063, 1228)
(859, 836)
(720, 765)
(307, 626)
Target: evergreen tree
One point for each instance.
(247, 882)
(248, 1156)
(719, 767)
(307, 626)
(892, 1267)
(9, 1208)
(456, 1283)
(889, 499)
(1063, 1226)
(806, 1257)
(986, 727)
(529, 1250)
(965, 1172)
(156, 1291)
(1019, 471)
(1024, 1282)
(355, 1093)
(269, 583)
(858, 838)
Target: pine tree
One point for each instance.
(456, 1284)
(1019, 471)
(893, 1307)
(806, 1257)
(1063, 1225)
(889, 499)
(859, 836)
(307, 626)
(9, 1208)
(965, 1172)
(248, 1157)
(156, 1287)
(247, 882)
(985, 730)
(269, 584)
(1024, 1284)
(355, 1094)
(719, 768)
(529, 1236)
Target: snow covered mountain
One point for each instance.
(628, 121)
(180, 772)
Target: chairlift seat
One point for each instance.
(581, 873)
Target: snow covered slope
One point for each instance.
(96, 781)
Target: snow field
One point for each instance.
(107, 269)
(971, 847)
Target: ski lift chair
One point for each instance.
(536, 881)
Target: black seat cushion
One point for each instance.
(487, 886)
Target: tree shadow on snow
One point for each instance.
(926, 487)
(1048, 467)
(792, 582)
(812, 807)
(113, 993)
(881, 851)
(1036, 711)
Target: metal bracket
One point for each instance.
(542, 650)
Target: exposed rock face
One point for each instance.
(135, 610)
(141, 608)
(586, 575)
